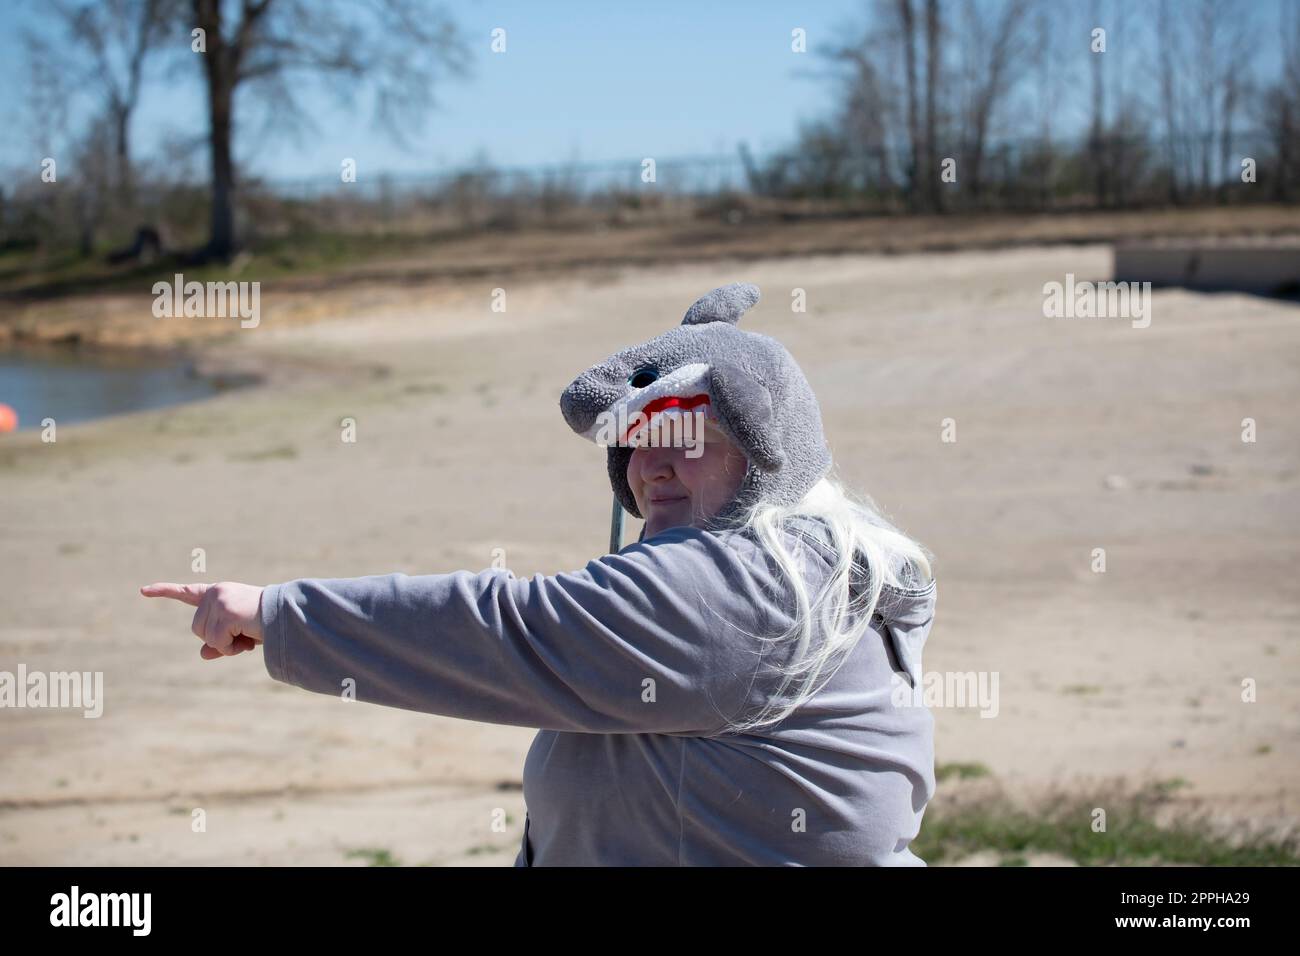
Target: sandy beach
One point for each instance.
(1071, 435)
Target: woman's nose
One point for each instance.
(656, 463)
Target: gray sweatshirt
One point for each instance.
(630, 668)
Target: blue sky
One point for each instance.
(582, 80)
(587, 80)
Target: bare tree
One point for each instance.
(1171, 53)
(395, 49)
(907, 36)
(1206, 26)
(1050, 73)
(99, 49)
(864, 117)
(120, 36)
(1233, 65)
(1279, 110)
(865, 109)
(49, 92)
(922, 150)
(1096, 134)
(997, 55)
(94, 153)
(1205, 63)
(880, 109)
(933, 59)
(47, 119)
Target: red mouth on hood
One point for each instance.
(659, 404)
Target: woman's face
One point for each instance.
(673, 488)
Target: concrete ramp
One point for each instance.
(1265, 266)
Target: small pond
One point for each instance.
(71, 384)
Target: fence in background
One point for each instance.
(826, 176)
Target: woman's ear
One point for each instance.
(745, 406)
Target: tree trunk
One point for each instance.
(125, 183)
(931, 92)
(221, 239)
(1284, 134)
(1169, 99)
(913, 128)
(974, 173)
(220, 63)
(1099, 158)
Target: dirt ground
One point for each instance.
(1071, 435)
(98, 305)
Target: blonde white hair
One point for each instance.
(870, 554)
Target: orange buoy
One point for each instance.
(8, 419)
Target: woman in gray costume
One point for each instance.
(739, 686)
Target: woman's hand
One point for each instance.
(229, 616)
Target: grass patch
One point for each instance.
(420, 388)
(1062, 824)
(281, 451)
(374, 856)
(960, 771)
(1166, 788)
(30, 273)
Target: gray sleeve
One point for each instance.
(654, 639)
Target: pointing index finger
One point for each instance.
(186, 593)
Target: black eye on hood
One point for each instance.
(643, 376)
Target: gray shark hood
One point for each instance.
(747, 383)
